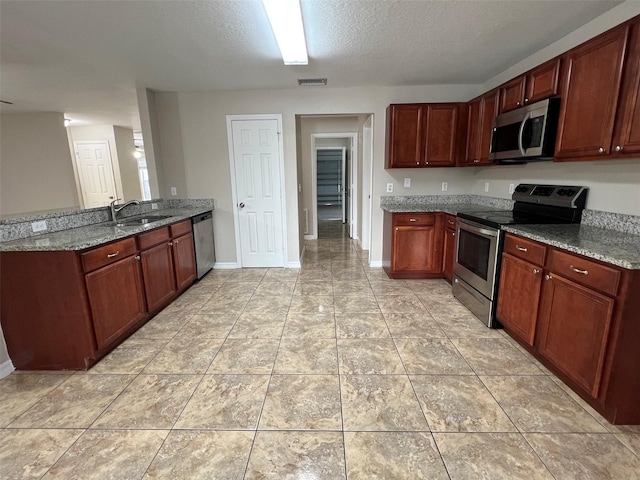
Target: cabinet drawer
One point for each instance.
(180, 228)
(414, 218)
(450, 221)
(525, 249)
(101, 256)
(154, 237)
(584, 271)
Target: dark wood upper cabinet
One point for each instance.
(489, 111)
(627, 133)
(474, 109)
(405, 135)
(423, 135)
(592, 75)
(441, 134)
(531, 87)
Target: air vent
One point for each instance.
(312, 82)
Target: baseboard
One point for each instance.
(225, 265)
(6, 368)
(295, 264)
(310, 237)
(375, 263)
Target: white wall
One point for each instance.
(203, 135)
(173, 166)
(129, 173)
(36, 172)
(614, 185)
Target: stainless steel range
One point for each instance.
(476, 268)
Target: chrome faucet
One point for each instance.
(115, 209)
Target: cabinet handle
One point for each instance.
(111, 255)
(397, 228)
(171, 244)
(618, 148)
(417, 163)
(137, 257)
(450, 222)
(426, 163)
(176, 242)
(536, 271)
(476, 161)
(522, 249)
(548, 277)
(577, 270)
(413, 219)
(526, 100)
(518, 103)
(601, 150)
(454, 234)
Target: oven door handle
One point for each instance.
(521, 133)
(477, 228)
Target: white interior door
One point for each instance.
(258, 184)
(96, 173)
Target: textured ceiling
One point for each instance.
(87, 57)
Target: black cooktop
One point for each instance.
(536, 205)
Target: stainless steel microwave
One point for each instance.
(526, 134)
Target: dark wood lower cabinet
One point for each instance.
(574, 330)
(64, 310)
(184, 259)
(116, 298)
(520, 285)
(579, 317)
(157, 272)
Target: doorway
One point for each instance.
(257, 170)
(334, 188)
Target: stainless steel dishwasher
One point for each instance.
(203, 241)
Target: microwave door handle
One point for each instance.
(521, 133)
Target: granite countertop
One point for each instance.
(96, 234)
(610, 246)
(452, 208)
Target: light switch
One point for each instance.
(407, 183)
(512, 187)
(389, 187)
(486, 186)
(174, 191)
(445, 186)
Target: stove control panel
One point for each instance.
(569, 196)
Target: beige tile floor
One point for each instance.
(328, 372)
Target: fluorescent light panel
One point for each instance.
(286, 22)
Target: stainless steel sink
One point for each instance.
(138, 221)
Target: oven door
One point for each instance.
(477, 255)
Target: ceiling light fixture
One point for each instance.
(285, 17)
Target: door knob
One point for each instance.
(241, 205)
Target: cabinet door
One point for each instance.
(159, 279)
(627, 136)
(448, 253)
(405, 135)
(574, 330)
(542, 82)
(489, 111)
(473, 133)
(184, 260)
(512, 94)
(116, 298)
(592, 76)
(414, 249)
(441, 127)
(519, 294)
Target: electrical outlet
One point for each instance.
(512, 187)
(407, 183)
(154, 206)
(174, 191)
(445, 186)
(389, 187)
(39, 226)
(486, 186)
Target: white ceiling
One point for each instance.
(85, 58)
